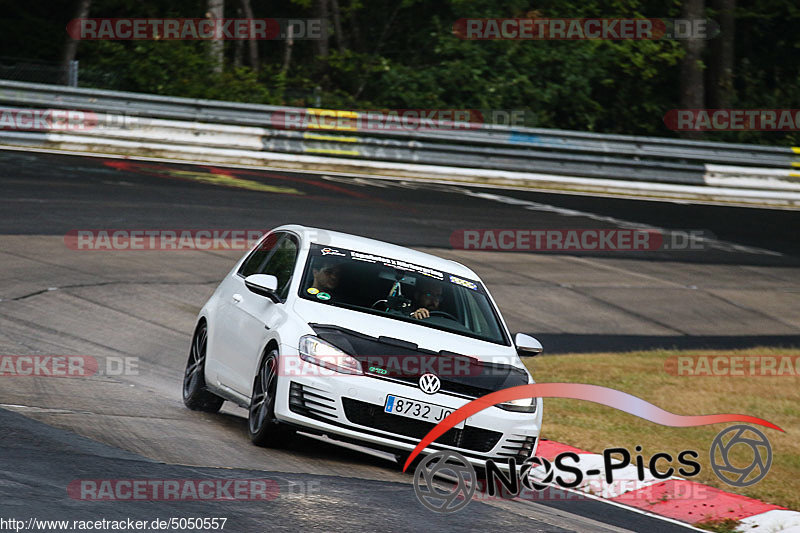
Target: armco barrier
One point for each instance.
(255, 134)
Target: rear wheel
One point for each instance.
(195, 394)
(264, 428)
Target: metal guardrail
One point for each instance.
(560, 152)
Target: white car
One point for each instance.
(362, 341)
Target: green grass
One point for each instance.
(724, 525)
(594, 427)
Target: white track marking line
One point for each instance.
(622, 223)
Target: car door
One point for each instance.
(252, 316)
(223, 345)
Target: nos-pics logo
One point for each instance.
(445, 481)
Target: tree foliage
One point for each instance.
(404, 54)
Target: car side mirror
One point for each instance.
(527, 346)
(263, 285)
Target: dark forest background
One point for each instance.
(401, 54)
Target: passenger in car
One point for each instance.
(427, 296)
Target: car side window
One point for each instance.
(281, 264)
(258, 258)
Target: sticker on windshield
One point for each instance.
(331, 251)
(312, 290)
(396, 263)
(324, 296)
(464, 283)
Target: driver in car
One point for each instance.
(326, 276)
(427, 296)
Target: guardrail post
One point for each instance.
(72, 74)
(318, 96)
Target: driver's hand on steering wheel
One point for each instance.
(421, 313)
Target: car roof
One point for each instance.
(336, 239)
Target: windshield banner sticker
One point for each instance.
(396, 263)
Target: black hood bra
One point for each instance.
(398, 359)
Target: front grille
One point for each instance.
(310, 401)
(373, 416)
(519, 447)
(448, 386)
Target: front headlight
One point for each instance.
(316, 351)
(523, 405)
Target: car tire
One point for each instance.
(264, 429)
(195, 394)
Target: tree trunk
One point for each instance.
(216, 50)
(248, 13)
(691, 85)
(341, 43)
(720, 73)
(238, 45)
(321, 11)
(379, 45)
(287, 51)
(355, 33)
(71, 46)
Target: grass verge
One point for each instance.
(594, 427)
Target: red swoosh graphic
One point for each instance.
(578, 391)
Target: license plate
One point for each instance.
(427, 412)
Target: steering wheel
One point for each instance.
(383, 303)
(444, 314)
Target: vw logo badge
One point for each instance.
(429, 383)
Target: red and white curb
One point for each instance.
(674, 498)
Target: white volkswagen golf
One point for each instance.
(362, 341)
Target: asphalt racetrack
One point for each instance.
(741, 289)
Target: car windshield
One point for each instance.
(399, 290)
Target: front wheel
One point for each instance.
(195, 394)
(264, 428)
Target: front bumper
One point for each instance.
(351, 408)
